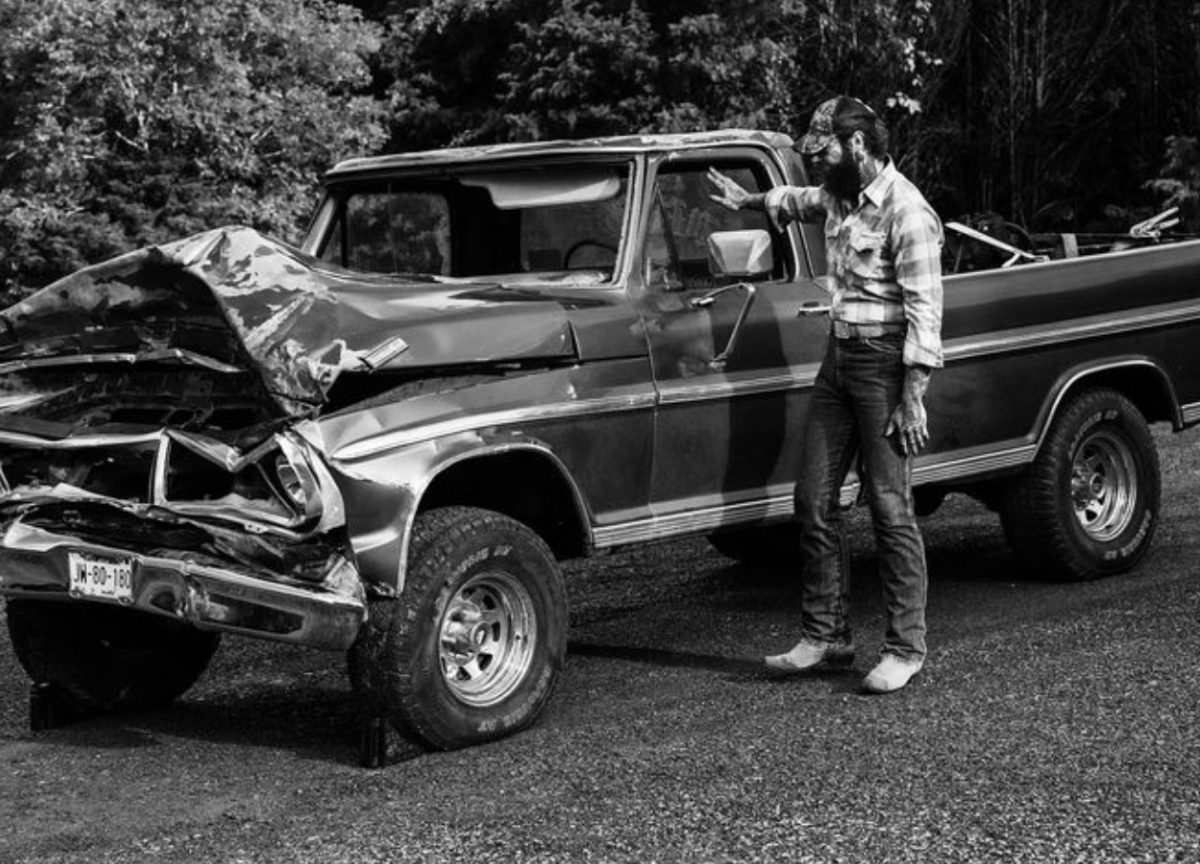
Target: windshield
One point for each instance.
(523, 224)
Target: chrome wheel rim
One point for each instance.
(1104, 485)
(486, 639)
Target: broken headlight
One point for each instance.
(295, 481)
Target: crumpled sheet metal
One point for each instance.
(301, 323)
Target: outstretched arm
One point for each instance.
(783, 204)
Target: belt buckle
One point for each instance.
(846, 330)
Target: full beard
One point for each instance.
(844, 179)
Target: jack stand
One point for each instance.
(373, 743)
(51, 708)
(377, 746)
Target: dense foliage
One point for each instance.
(1054, 111)
(124, 122)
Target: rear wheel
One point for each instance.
(473, 647)
(107, 658)
(1088, 506)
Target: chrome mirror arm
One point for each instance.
(704, 300)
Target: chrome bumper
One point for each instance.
(34, 563)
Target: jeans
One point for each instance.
(857, 388)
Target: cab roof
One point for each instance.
(630, 144)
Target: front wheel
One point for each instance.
(473, 647)
(1088, 506)
(107, 658)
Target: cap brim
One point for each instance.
(811, 144)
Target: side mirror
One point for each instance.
(740, 254)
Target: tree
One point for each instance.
(480, 71)
(493, 70)
(127, 122)
(580, 72)
(1051, 109)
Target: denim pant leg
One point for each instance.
(873, 375)
(829, 444)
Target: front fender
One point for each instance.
(384, 493)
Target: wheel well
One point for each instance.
(525, 485)
(1145, 386)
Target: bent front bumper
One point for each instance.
(34, 563)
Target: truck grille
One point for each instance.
(124, 472)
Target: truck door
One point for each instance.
(729, 416)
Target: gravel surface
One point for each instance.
(1053, 723)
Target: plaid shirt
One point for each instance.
(884, 256)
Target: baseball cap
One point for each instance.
(837, 116)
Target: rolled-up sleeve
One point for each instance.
(917, 243)
(786, 204)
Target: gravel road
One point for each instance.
(1053, 723)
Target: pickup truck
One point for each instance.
(483, 361)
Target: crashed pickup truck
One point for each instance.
(484, 361)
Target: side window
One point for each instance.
(393, 232)
(682, 216)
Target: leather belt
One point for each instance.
(845, 330)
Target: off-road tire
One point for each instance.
(1088, 505)
(473, 647)
(760, 546)
(107, 658)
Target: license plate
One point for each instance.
(106, 578)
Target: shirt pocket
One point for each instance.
(866, 258)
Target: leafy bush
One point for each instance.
(128, 122)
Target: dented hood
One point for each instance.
(234, 297)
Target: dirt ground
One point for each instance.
(1054, 722)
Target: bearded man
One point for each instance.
(883, 245)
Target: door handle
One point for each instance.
(811, 307)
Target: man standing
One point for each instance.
(884, 250)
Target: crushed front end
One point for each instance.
(162, 423)
(246, 541)
(147, 460)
